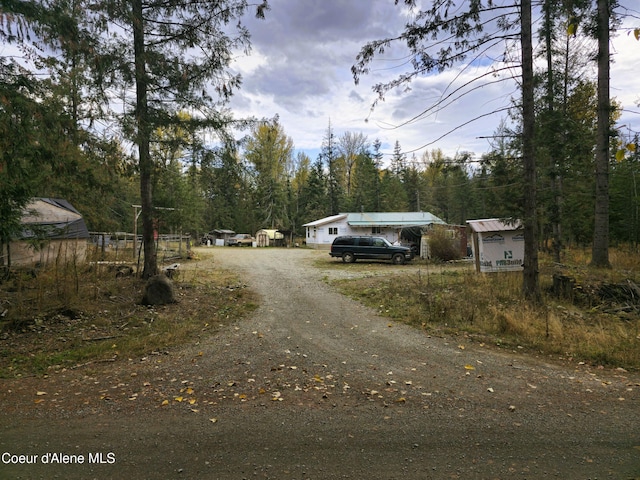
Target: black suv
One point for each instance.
(352, 248)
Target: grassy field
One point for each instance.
(599, 322)
(69, 316)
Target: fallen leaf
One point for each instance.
(469, 367)
(178, 399)
(213, 420)
(41, 393)
(165, 402)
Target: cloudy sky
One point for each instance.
(300, 70)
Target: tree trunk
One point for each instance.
(553, 129)
(530, 286)
(145, 164)
(600, 251)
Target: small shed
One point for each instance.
(52, 230)
(498, 245)
(269, 238)
(219, 236)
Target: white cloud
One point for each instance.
(304, 51)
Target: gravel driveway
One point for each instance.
(317, 386)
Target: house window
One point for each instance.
(333, 230)
(375, 230)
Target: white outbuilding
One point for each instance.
(498, 245)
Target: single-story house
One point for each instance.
(394, 226)
(498, 245)
(52, 230)
(269, 238)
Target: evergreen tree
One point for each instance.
(376, 158)
(600, 248)
(398, 161)
(314, 199)
(440, 36)
(625, 194)
(228, 194)
(150, 51)
(393, 195)
(298, 184)
(412, 184)
(365, 185)
(33, 146)
(329, 156)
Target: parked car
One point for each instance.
(353, 247)
(240, 239)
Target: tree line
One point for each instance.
(105, 77)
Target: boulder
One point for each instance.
(159, 291)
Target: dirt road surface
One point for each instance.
(317, 386)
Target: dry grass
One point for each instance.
(490, 308)
(68, 315)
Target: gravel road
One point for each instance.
(317, 386)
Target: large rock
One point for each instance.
(159, 291)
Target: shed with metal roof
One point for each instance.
(498, 244)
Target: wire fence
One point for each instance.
(122, 245)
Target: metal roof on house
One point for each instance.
(494, 225)
(326, 220)
(393, 219)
